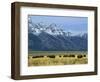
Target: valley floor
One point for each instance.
(51, 60)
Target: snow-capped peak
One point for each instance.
(52, 29)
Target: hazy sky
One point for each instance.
(75, 25)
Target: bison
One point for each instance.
(37, 56)
(65, 56)
(84, 55)
(52, 56)
(69, 56)
(79, 56)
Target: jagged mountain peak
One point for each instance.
(52, 29)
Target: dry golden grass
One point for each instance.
(46, 61)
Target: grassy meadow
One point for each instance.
(50, 58)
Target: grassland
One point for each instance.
(49, 58)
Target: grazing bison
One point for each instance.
(52, 56)
(65, 56)
(84, 55)
(73, 55)
(37, 56)
(69, 55)
(79, 56)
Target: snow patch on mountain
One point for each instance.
(52, 29)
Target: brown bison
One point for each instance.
(37, 56)
(79, 56)
(52, 56)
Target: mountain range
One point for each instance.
(42, 37)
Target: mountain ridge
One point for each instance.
(43, 37)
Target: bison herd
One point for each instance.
(53, 56)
